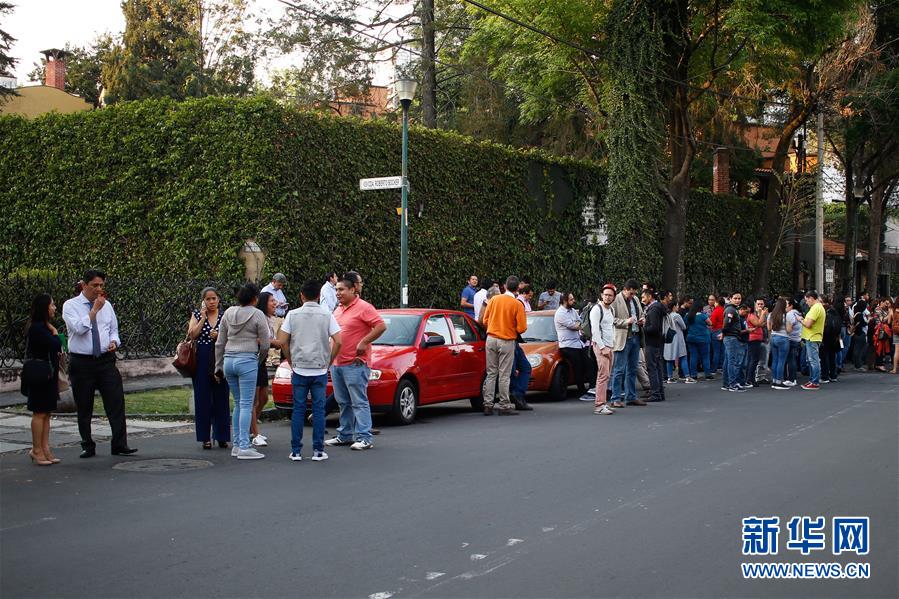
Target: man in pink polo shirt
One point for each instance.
(360, 324)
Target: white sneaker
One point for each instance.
(790, 383)
(295, 457)
(234, 450)
(319, 456)
(361, 445)
(336, 442)
(261, 436)
(259, 441)
(690, 380)
(249, 454)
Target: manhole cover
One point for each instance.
(163, 465)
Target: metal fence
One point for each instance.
(153, 312)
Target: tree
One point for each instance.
(161, 52)
(84, 68)
(181, 49)
(7, 62)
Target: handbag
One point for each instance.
(62, 373)
(185, 361)
(672, 331)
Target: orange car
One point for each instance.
(551, 373)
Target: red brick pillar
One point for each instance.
(55, 73)
(721, 171)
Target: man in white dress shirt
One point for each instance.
(328, 293)
(93, 339)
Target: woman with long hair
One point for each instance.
(794, 334)
(239, 349)
(699, 341)
(43, 344)
(267, 304)
(210, 394)
(780, 342)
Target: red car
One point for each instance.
(425, 356)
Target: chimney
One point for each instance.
(721, 171)
(55, 71)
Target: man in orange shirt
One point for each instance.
(505, 319)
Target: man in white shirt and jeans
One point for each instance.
(603, 336)
(93, 339)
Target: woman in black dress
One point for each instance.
(43, 344)
(210, 393)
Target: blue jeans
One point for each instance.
(736, 353)
(847, 342)
(241, 369)
(814, 361)
(780, 351)
(302, 386)
(518, 384)
(699, 352)
(682, 366)
(725, 373)
(716, 352)
(791, 370)
(351, 392)
(803, 359)
(624, 371)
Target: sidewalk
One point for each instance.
(15, 430)
(131, 385)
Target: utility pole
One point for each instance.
(819, 209)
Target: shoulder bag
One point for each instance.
(185, 361)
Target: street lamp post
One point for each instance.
(405, 91)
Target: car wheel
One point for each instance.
(477, 403)
(405, 403)
(558, 388)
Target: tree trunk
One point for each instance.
(875, 226)
(673, 240)
(848, 274)
(767, 245)
(428, 67)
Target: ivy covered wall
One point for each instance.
(173, 189)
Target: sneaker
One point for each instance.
(319, 456)
(780, 386)
(295, 457)
(604, 410)
(591, 391)
(259, 441)
(789, 383)
(234, 450)
(261, 436)
(249, 454)
(811, 386)
(337, 442)
(745, 386)
(710, 377)
(690, 380)
(670, 381)
(825, 381)
(361, 445)
(737, 389)
(723, 388)
(587, 397)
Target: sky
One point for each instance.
(41, 24)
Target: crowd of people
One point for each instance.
(615, 340)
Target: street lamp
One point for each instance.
(405, 91)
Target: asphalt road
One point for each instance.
(552, 503)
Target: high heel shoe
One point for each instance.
(55, 460)
(37, 461)
(207, 445)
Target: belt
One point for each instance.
(89, 356)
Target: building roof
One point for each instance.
(36, 100)
(837, 249)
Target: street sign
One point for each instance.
(380, 183)
(828, 275)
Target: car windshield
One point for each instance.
(540, 328)
(401, 329)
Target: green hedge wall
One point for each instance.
(163, 188)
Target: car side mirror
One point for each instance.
(434, 340)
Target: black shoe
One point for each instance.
(223, 444)
(374, 431)
(207, 445)
(125, 451)
(88, 453)
(521, 404)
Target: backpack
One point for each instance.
(586, 329)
